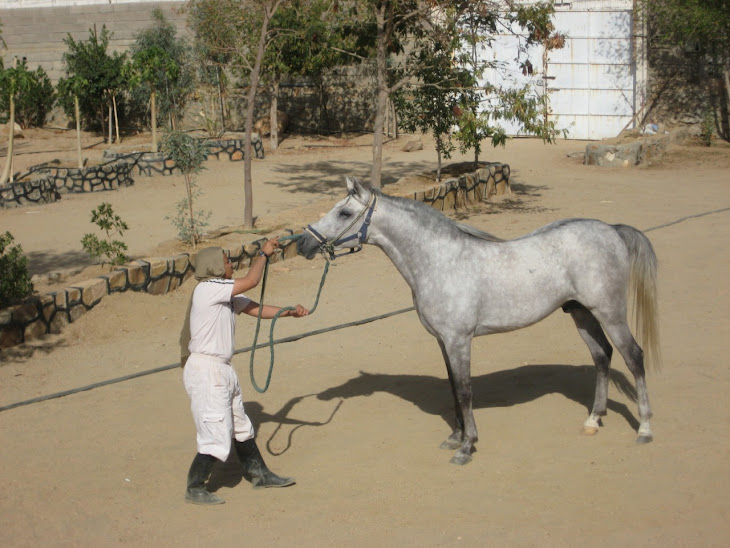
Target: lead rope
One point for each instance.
(274, 319)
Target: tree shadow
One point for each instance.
(328, 177)
(524, 384)
(40, 262)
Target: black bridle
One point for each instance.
(327, 247)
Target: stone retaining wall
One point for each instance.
(49, 313)
(149, 164)
(37, 191)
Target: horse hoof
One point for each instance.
(460, 459)
(450, 444)
(590, 430)
(645, 439)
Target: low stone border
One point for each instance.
(149, 164)
(48, 313)
(55, 181)
(468, 188)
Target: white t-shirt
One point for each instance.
(212, 318)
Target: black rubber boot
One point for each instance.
(197, 476)
(255, 469)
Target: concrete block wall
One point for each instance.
(49, 313)
(36, 29)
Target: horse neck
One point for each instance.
(409, 242)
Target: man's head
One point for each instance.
(212, 262)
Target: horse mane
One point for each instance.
(434, 219)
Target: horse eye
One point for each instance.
(345, 214)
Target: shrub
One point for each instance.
(104, 217)
(35, 102)
(707, 128)
(188, 155)
(15, 284)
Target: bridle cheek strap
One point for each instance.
(328, 248)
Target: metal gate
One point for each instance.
(591, 82)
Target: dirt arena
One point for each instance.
(357, 414)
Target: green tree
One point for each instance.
(189, 155)
(69, 89)
(90, 61)
(308, 37)
(152, 67)
(704, 24)
(238, 31)
(173, 80)
(431, 103)
(14, 82)
(424, 26)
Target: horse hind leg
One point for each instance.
(457, 356)
(633, 355)
(601, 352)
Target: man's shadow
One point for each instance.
(230, 473)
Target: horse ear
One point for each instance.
(354, 186)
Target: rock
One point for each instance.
(17, 130)
(413, 145)
(263, 125)
(625, 155)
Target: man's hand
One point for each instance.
(270, 246)
(298, 311)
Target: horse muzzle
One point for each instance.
(308, 247)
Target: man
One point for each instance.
(209, 379)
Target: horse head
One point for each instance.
(344, 227)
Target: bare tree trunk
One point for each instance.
(153, 120)
(220, 100)
(11, 135)
(381, 99)
(110, 125)
(274, 117)
(116, 118)
(251, 98)
(77, 113)
(189, 189)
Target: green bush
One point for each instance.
(15, 284)
(104, 217)
(33, 103)
(707, 128)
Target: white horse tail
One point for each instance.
(643, 291)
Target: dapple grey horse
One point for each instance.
(466, 282)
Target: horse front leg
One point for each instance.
(456, 438)
(457, 356)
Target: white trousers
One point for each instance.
(216, 404)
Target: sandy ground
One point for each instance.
(357, 414)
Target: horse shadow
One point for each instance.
(432, 395)
(516, 386)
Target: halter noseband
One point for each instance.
(327, 247)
